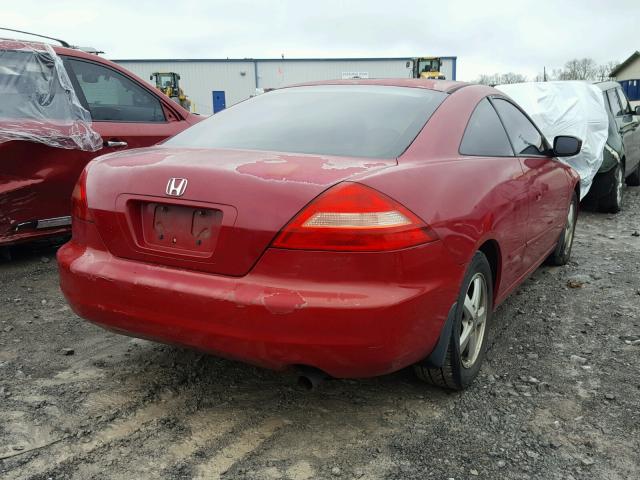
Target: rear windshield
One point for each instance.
(348, 120)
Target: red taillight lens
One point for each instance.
(79, 206)
(353, 217)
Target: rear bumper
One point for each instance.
(350, 315)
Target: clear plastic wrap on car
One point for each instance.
(568, 108)
(37, 100)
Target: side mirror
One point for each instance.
(637, 110)
(566, 146)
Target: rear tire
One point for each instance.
(562, 252)
(467, 345)
(633, 180)
(612, 201)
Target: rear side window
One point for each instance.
(524, 136)
(623, 101)
(614, 102)
(485, 136)
(348, 120)
(111, 96)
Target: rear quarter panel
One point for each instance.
(466, 200)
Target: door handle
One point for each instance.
(115, 143)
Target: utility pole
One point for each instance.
(544, 74)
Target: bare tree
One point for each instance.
(603, 72)
(489, 79)
(579, 69)
(498, 78)
(556, 74)
(512, 78)
(576, 69)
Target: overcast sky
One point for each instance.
(487, 37)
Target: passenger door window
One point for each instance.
(623, 101)
(524, 136)
(111, 96)
(485, 136)
(614, 102)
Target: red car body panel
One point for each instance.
(36, 180)
(246, 186)
(350, 314)
(358, 314)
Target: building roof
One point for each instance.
(625, 64)
(446, 86)
(339, 59)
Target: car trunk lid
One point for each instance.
(205, 209)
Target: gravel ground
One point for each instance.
(559, 397)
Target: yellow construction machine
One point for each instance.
(428, 67)
(169, 84)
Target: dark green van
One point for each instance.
(621, 152)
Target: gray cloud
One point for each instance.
(487, 37)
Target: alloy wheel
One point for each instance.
(474, 320)
(569, 229)
(618, 185)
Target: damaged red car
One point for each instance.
(351, 228)
(61, 107)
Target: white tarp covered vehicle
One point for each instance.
(567, 108)
(37, 100)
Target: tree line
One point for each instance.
(575, 69)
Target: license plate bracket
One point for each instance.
(179, 228)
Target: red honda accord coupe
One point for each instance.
(350, 227)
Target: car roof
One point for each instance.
(606, 85)
(446, 86)
(75, 52)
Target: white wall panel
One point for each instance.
(238, 78)
(199, 79)
(279, 74)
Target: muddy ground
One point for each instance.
(559, 397)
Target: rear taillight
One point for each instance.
(353, 217)
(79, 206)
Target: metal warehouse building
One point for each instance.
(628, 74)
(224, 82)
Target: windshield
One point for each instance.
(347, 120)
(165, 80)
(429, 66)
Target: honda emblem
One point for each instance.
(176, 187)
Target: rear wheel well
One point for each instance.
(491, 250)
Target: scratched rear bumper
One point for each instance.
(293, 308)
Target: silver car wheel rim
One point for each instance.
(568, 230)
(619, 186)
(474, 320)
